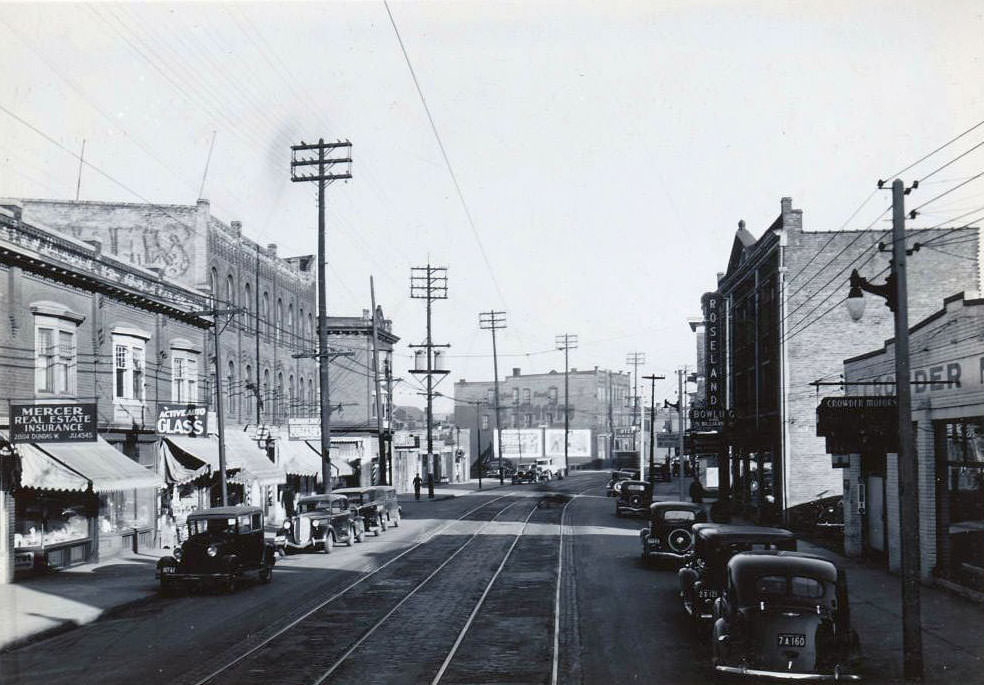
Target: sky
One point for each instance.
(597, 157)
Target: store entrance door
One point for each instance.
(876, 513)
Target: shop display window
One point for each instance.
(43, 520)
(125, 510)
(963, 444)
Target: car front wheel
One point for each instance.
(396, 520)
(266, 573)
(328, 544)
(361, 536)
(382, 522)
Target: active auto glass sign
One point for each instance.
(62, 422)
(182, 419)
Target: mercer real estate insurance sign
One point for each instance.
(63, 422)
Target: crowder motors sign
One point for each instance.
(854, 424)
(63, 422)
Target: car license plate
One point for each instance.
(166, 570)
(635, 488)
(791, 640)
(707, 594)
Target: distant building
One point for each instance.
(598, 402)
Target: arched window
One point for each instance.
(213, 283)
(265, 312)
(311, 398)
(280, 397)
(279, 332)
(230, 293)
(230, 389)
(290, 325)
(301, 332)
(310, 324)
(291, 399)
(265, 391)
(247, 307)
(249, 392)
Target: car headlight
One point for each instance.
(286, 524)
(315, 524)
(212, 551)
(177, 554)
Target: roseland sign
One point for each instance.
(62, 422)
(182, 419)
(711, 304)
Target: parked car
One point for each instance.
(376, 504)
(223, 545)
(784, 615)
(525, 474)
(669, 536)
(661, 472)
(322, 521)
(703, 576)
(634, 497)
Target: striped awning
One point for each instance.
(303, 458)
(241, 454)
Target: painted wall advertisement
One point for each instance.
(63, 422)
(578, 443)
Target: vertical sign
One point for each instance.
(711, 303)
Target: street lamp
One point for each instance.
(894, 290)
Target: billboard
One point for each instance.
(578, 442)
(304, 429)
(520, 443)
(182, 419)
(63, 422)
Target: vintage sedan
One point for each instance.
(376, 504)
(223, 545)
(784, 615)
(669, 536)
(321, 522)
(634, 497)
(703, 576)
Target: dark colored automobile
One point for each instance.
(223, 545)
(669, 535)
(661, 472)
(526, 474)
(784, 615)
(376, 504)
(703, 575)
(634, 497)
(322, 521)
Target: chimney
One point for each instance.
(272, 249)
(237, 227)
(515, 370)
(741, 224)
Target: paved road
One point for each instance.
(465, 590)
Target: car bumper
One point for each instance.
(629, 509)
(658, 553)
(194, 577)
(783, 675)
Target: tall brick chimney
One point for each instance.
(272, 249)
(237, 227)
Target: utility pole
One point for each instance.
(219, 413)
(895, 291)
(682, 411)
(493, 321)
(375, 381)
(635, 359)
(429, 283)
(566, 342)
(611, 424)
(325, 175)
(388, 373)
(652, 426)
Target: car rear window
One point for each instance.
(790, 586)
(678, 516)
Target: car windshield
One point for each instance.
(212, 525)
(679, 516)
(316, 505)
(358, 497)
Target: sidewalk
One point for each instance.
(451, 490)
(952, 627)
(37, 607)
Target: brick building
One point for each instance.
(82, 328)
(598, 401)
(785, 328)
(947, 363)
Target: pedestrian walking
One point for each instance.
(416, 486)
(696, 491)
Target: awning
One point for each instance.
(176, 467)
(241, 453)
(74, 465)
(303, 458)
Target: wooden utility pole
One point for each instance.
(494, 321)
(566, 342)
(652, 426)
(635, 360)
(429, 283)
(375, 381)
(326, 174)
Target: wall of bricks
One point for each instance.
(821, 334)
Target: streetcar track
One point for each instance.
(346, 589)
(365, 636)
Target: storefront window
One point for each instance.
(122, 511)
(964, 450)
(44, 520)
